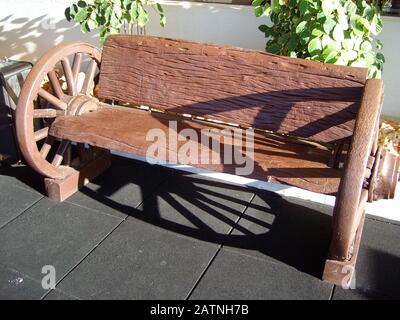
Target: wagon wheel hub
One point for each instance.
(385, 175)
(81, 104)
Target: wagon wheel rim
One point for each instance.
(58, 102)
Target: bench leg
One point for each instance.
(61, 189)
(340, 264)
(340, 272)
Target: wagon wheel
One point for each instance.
(43, 152)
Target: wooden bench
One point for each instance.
(308, 120)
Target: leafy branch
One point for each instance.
(331, 31)
(112, 16)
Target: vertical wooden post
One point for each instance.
(349, 207)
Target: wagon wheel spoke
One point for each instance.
(76, 66)
(44, 113)
(89, 78)
(62, 148)
(54, 101)
(41, 134)
(69, 77)
(55, 84)
(46, 147)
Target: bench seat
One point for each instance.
(277, 159)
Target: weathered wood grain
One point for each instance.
(276, 159)
(346, 212)
(251, 88)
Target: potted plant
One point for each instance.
(112, 16)
(331, 31)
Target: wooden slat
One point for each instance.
(275, 159)
(294, 96)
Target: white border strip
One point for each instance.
(388, 209)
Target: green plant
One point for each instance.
(331, 31)
(112, 16)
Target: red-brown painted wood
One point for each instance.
(276, 159)
(251, 88)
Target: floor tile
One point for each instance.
(139, 261)
(122, 187)
(286, 230)
(195, 206)
(21, 176)
(14, 201)
(59, 295)
(15, 285)
(236, 276)
(378, 263)
(49, 233)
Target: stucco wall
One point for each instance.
(30, 27)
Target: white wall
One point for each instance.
(29, 27)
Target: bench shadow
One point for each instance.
(271, 227)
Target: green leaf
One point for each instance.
(82, 4)
(126, 3)
(329, 25)
(301, 26)
(134, 11)
(303, 7)
(304, 37)
(342, 18)
(366, 46)
(380, 56)
(350, 7)
(258, 11)
(317, 32)
(257, 3)
(159, 8)
(263, 28)
(348, 44)
(327, 7)
(315, 46)
(163, 20)
(85, 27)
(331, 57)
(118, 11)
(349, 55)
(292, 43)
(114, 21)
(81, 15)
(338, 34)
(67, 14)
(274, 48)
(92, 24)
(143, 17)
(267, 9)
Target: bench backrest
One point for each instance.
(251, 88)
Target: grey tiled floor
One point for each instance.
(146, 232)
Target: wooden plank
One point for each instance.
(275, 159)
(251, 88)
(347, 201)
